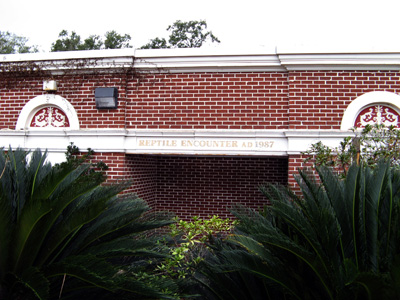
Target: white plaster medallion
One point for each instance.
(374, 107)
(48, 111)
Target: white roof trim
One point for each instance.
(345, 61)
(234, 63)
(222, 60)
(66, 55)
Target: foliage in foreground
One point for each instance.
(64, 235)
(339, 240)
(189, 244)
(367, 147)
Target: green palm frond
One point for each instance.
(88, 268)
(39, 215)
(60, 224)
(33, 279)
(339, 239)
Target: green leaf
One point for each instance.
(34, 280)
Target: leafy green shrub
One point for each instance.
(65, 235)
(367, 147)
(189, 244)
(339, 240)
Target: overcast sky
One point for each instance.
(238, 24)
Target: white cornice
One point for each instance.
(174, 142)
(67, 55)
(239, 63)
(344, 61)
(79, 61)
(222, 60)
(209, 60)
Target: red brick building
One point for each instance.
(195, 130)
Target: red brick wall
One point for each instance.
(139, 171)
(203, 186)
(262, 100)
(78, 90)
(319, 98)
(142, 170)
(193, 185)
(209, 101)
(255, 100)
(295, 163)
(13, 97)
(116, 163)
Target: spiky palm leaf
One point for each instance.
(338, 240)
(62, 232)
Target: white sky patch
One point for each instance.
(238, 24)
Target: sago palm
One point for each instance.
(339, 240)
(65, 235)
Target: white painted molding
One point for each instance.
(173, 142)
(209, 60)
(221, 60)
(192, 60)
(67, 55)
(257, 63)
(357, 105)
(58, 62)
(343, 61)
(38, 102)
